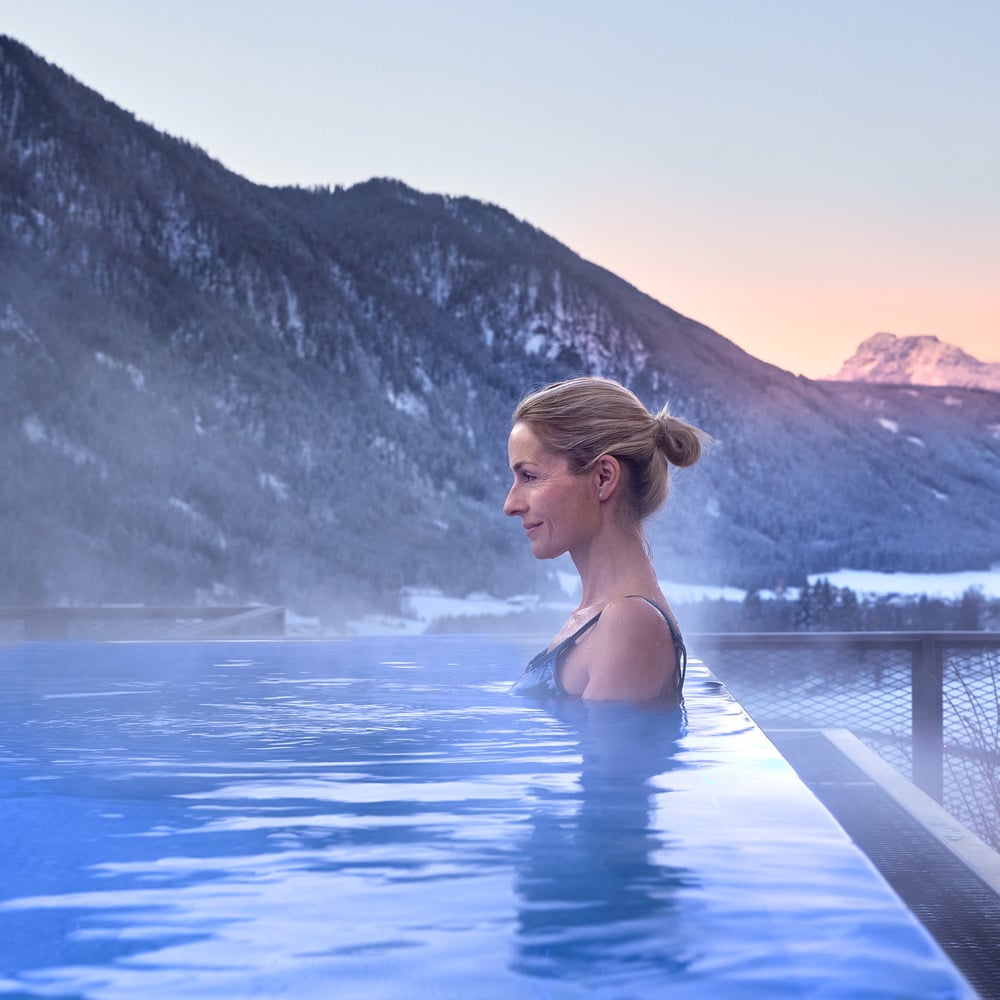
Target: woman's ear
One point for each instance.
(608, 474)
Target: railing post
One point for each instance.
(927, 716)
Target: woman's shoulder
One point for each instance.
(639, 610)
(631, 651)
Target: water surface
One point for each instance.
(380, 819)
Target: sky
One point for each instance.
(796, 174)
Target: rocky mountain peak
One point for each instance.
(923, 360)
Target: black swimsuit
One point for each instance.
(541, 675)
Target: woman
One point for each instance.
(590, 464)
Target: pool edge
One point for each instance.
(946, 875)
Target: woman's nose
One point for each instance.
(511, 505)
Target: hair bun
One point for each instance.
(590, 416)
(679, 442)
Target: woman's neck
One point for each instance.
(613, 564)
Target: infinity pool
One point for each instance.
(379, 819)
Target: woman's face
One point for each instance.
(559, 510)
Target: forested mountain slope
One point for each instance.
(213, 389)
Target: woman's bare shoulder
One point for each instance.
(636, 609)
(630, 654)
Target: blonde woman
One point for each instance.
(590, 465)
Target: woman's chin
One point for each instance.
(542, 552)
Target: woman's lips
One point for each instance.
(529, 528)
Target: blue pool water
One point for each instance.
(380, 819)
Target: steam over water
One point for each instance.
(381, 818)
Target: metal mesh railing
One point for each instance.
(972, 740)
(946, 738)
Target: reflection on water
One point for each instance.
(384, 821)
(591, 880)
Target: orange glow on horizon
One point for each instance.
(814, 331)
(807, 316)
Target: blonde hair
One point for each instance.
(585, 418)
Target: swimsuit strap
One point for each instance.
(675, 630)
(548, 659)
(569, 640)
(583, 628)
(679, 648)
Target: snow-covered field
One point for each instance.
(944, 585)
(423, 607)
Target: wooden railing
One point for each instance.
(926, 651)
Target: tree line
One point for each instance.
(822, 607)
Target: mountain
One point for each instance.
(217, 391)
(917, 361)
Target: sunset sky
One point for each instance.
(797, 175)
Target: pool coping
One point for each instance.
(973, 852)
(945, 874)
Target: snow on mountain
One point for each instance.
(917, 361)
(302, 397)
